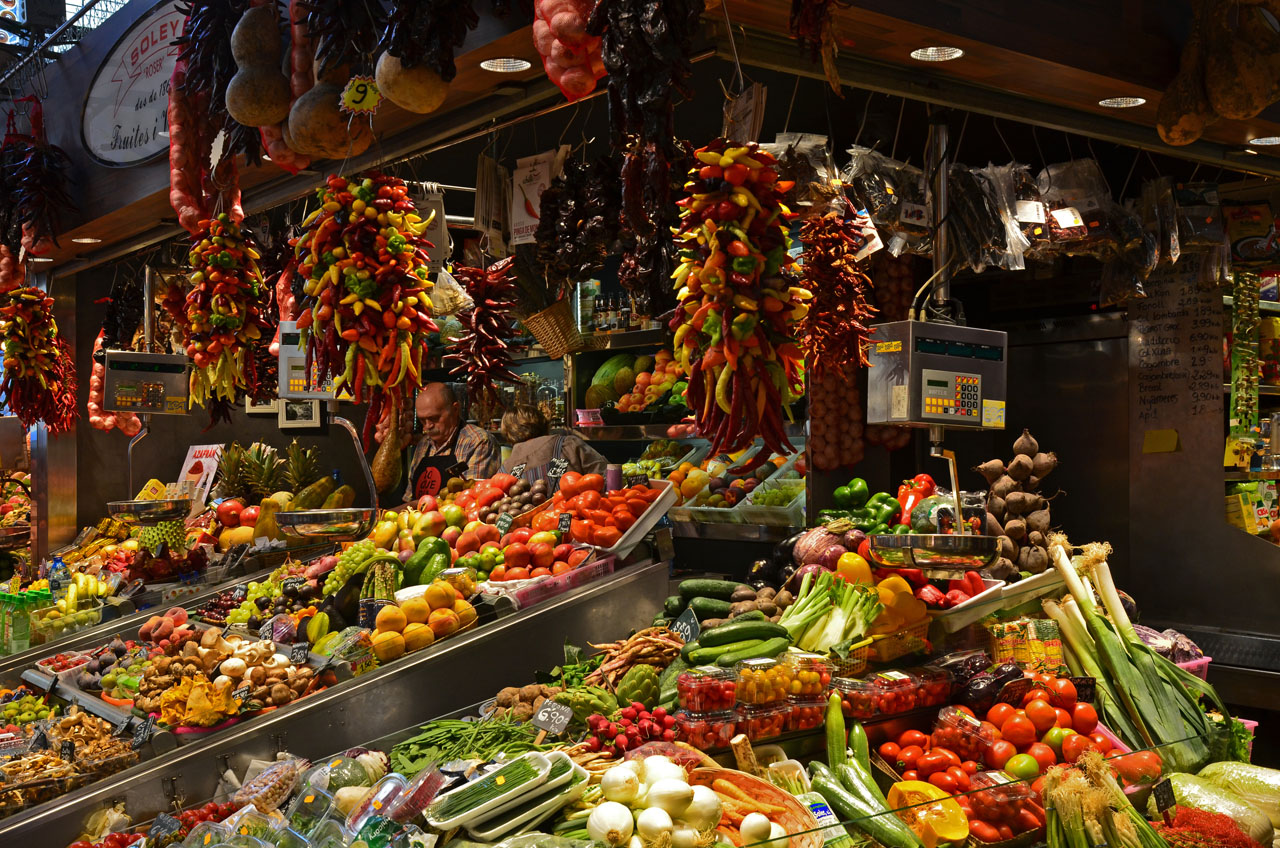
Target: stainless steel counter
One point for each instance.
(435, 681)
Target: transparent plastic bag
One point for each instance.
(1003, 185)
(1166, 215)
(805, 159)
(873, 180)
(1121, 283)
(448, 297)
(1083, 219)
(1199, 216)
(1138, 245)
(1029, 210)
(975, 225)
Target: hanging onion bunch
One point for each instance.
(223, 314)
(578, 223)
(481, 354)
(39, 371)
(366, 309)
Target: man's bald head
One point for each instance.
(437, 406)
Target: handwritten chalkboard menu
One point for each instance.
(1175, 355)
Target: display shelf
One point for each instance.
(1263, 305)
(1265, 391)
(648, 432)
(732, 532)
(1249, 476)
(621, 341)
(444, 677)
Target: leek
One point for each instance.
(854, 607)
(812, 602)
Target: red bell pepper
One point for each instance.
(932, 596)
(911, 492)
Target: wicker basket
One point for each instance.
(555, 330)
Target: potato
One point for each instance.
(712, 622)
(741, 607)
(743, 593)
(768, 607)
(766, 592)
(418, 89)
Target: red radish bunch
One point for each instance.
(634, 727)
(570, 57)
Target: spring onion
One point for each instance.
(812, 602)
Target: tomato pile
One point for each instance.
(597, 517)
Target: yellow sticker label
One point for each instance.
(308, 799)
(377, 805)
(334, 764)
(993, 414)
(208, 837)
(501, 779)
(361, 96)
(888, 347)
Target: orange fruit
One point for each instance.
(390, 618)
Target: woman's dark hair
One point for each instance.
(522, 423)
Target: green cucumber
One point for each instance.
(705, 608)
(882, 826)
(754, 615)
(719, 589)
(673, 606)
(767, 648)
(837, 739)
(860, 746)
(689, 648)
(736, 631)
(667, 680)
(702, 656)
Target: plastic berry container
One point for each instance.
(857, 697)
(934, 686)
(961, 733)
(707, 689)
(763, 681)
(763, 721)
(806, 713)
(997, 799)
(894, 692)
(810, 675)
(706, 731)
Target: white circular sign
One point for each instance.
(126, 113)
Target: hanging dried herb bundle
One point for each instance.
(647, 49)
(482, 356)
(813, 27)
(429, 32)
(578, 222)
(205, 44)
(40, 187)
(345, 32)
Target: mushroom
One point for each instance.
(233, 667)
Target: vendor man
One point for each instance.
(448, 447)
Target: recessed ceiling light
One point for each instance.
(40, 259)
(1122, 102)
(87, 240)
(936, 54)
(1265, 141)
(505, 65)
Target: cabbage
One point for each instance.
(1193, 791)
(1258, 785)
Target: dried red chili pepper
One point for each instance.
(482, 355)
(39, 373)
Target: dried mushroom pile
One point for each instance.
(521, 702)
(1016, 511)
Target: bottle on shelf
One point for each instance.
(624, 313)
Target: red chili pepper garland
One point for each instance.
(222, 316)
(482, 354)
(366, 310)
(39, 372)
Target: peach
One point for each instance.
(443, 622)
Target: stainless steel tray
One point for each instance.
(944, 554)
(151, 511)
(336, 525)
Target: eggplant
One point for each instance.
(763, 572)
(782, 551)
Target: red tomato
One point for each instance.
(889, 751)
(1037, 694)
(623, 519)
(569, 483)
(1065, 691)
(910, 774)
(997, 714)
(637, 506)
(1042, 717)
(1064, 718)
(970, 767)
(1037, 786)
(983, 832)
(605, 537)
(907, 757)
(928, 764)
(1006, 832)
(1084, 719)
(963, 709)
(953, 759)
(588, 498)
(1043, 755)
(1025, 821)
(1139, 767)
(943, 781)
(999, 753)
(1075, 745)
(1020, 731)
(590, 482)
(1101, 744)
(913, 737)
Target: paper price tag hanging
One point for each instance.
(1086, 688)
(39, 741)
(566, 522)
(361, 96)
(143, 732)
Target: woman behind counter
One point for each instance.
(526, 428)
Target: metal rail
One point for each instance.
(49, 41)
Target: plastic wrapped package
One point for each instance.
(1029, 209)
(805, 159)
(1121, 283)
(1199, 216)
(706, 731)
(1192, 791)
(974, 222)
(1138, 246)
(1080, 208)
(763, 721)
(1001, 181)
(962, 733)
(1166, 216)
(963, 665)
(872, 178)
(1258, 785)
(707, 689)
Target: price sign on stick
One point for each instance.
(67, 750)
(298, 652)
(1086, 688)
(504, 523)
(164, 825)
(566, 521)
(687, 627)
(551, 718)
(555, 471)
(1165, 801)
(518, 470)
(143, 732)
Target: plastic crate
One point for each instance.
(49, 631)
(1198, 667)
(791, 515)
(893, 645)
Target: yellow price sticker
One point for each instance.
(361, 96)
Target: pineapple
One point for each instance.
(302, 468)
(232, 482)
(263, 471)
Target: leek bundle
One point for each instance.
(1147, 700)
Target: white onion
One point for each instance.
(659, 767)
(610, 823)
(756, 827)
(620, 784)
(652, 823)
(704, 810)
(778, 833)
(674, 796)
(684, 836)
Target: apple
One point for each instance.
(515, 555)
(428, 503)
(563, 551)
(450, 536)
(544, 536)
(521, 535)
(229, 512)
(430, 524)
(6, 508)
(454, 515)
(542, 554)
(472, 526)
(249, 516)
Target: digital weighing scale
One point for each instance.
(155, 383)
(296, 382)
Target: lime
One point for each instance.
(1022, 767)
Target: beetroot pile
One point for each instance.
(1016, 511)
(634, 727)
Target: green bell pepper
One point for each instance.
(878, 530)
(901, 530)
(883, 512)
(852, 495)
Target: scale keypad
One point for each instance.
(949, 396)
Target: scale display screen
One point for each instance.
(149, 367)
(968, 350)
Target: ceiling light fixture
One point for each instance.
(1122, 102)
(936, 54)
(506, 65)
(39, 259)
(87, 240)
(1265, 141)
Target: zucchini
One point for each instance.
(667, 680)
(689, 648)
(861, 747)
(767, 648)
(852, 773)
(736, 631)
(719, 589)
(705, 608)
(837, 743)
(702, 656)
(860, 785)
(882, 826)
(673, 606)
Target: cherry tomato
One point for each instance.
(970, 767)
(913, 737)
(910, 774)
